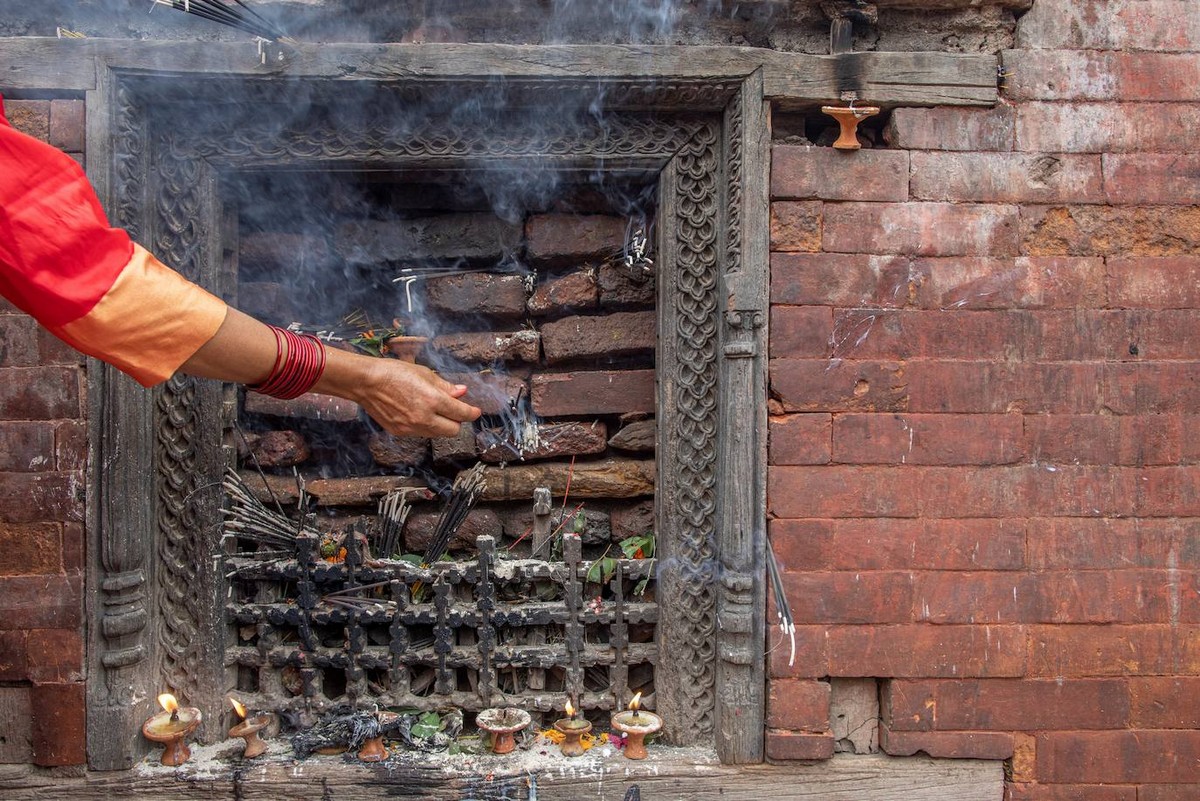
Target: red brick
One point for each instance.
(620, 290)
(1164, 334)
(980, 387)
(55, 655)
(1165, 542)
(1069, 792)
(908, 706)
(557, 440)
(800, 331)
(802, 544)
(1152, 178)
(1103, 75)
(1008, 597)
(576, 291)
(952, 128)
(562, 238)
(1097, 544)
(30, 549)
(969, 491)
(849, 597)
(496, 296)
(1008, 704)
(26, 447)
(612, 335)
(59, 724)
(73, 548)
(39, 393)
(491, 392)
(1126, 231)
(1021, 283)
(557, 394)
(935, 439)
(460, 448)
(1119, 756)
(795, 226)
(787, 745)
(36, 497)
(812, 651)
(840, 279)
(1058, 127)
(947, 744)
(1168, 491)
(489, 347)
(921, 229)
(798, 705)
(18, 341)
(1165, 792)
(312, 406)
(67, 129)
(275, 448)
(1007, 178)
(418, 532)
(70, 445)
(1114, 650)
(823, 385)
(824, 173)
(924, 650)
(892, 544)
(799, 439)
(1154, 283)
(41, 602)
(1082, 439)
(835, 491)
(29, 117)
(1166, 25)
(1165, 388)
(1165, 702)
(14, 656)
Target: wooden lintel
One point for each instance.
(519, 776)
(889, 79)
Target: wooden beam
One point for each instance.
(31, 64)
(521, 776)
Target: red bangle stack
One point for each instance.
(299, 363)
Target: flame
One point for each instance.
(570, 710)
(635, 702)
(168, 702)
(241, 710)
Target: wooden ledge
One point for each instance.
(683, 774)
(33, 64)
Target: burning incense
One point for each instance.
(468, 486)
(248, 519)
(782, 610)
(236, 15)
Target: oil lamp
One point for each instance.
(248, 729)
(170, 727)
(503, 723)
(572, 728)
(636, 724)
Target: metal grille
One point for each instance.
(466, 634)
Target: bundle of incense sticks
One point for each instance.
(248, 518)
(393, 512)
(468, 486)
(782, 610)
(235, 14)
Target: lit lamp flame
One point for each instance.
(635, 703)
(241, 710)
(169, 704)
(570, 710)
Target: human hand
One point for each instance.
(409, 399)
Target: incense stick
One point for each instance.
(782, 610)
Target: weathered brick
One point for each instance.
(491, 392)
(619, 289)
(1008, 704)
(823, 173)
(577, 291)
(474, 237)
(981, 387)
(1162, 25)
(1121, 650)
(59, 724)
(802, 544)
(1007, 178)
(1024, 791)
(800, 439)
(840, 279)
(970, 491)
(558, 394)
(822, 385)
(800, 331)
(1118, 756)
(796, 225)
(557, 439)
(1057, 127)
(566, 238)
(639, 436)
(488, 347)
(1152, 178)
(312, 406)
(1009, 597)
(1159, 792)
(53, 351)
(1168, 388)
(934, 439)
(632, 519)
(811, 658)
(798, 705)
(837, 491)
(952, 128)
(418, 531)
(1082, 543)
(1022, 283)
(459, 449)
(268, 301)
(497, 296)
(930, 544)
(70, 445)
(947, 744)
(911, 334)
(1165, 702)
(30, 549)
(29, 117)
(849, 597)
(36, 497)
(612, 335)
(39, 393)
(67, 130)
(606, 478)
(925, 650)
(41, 602)
(26, 446)
(1102, 75)
(14, 656)
(1155, 283)
(921, 229)
(18, 341)
(55, 655)
(788, 745)
(356, 491)
(276, 448)
(1124, 231)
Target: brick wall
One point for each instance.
(982, 483)
(43, 450)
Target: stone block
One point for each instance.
(574, 292)
(952, 128)
(490, 347)
(621, 290)
(823, 173)
(486, 294)
(392, 451)
(569, 238)
(593, 393)
(613, 335)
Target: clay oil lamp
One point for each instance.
(502, 723)
(248, 729)
(636, 725)
(848, 120)
(572, 728)
(373, 749)
(170, 727)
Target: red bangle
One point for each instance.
(299, 364)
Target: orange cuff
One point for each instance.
(149, 323)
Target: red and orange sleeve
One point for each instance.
(84, 281)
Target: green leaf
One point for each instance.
(427, 725)
(602, 570)
(412, 558)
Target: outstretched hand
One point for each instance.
(410, 399)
